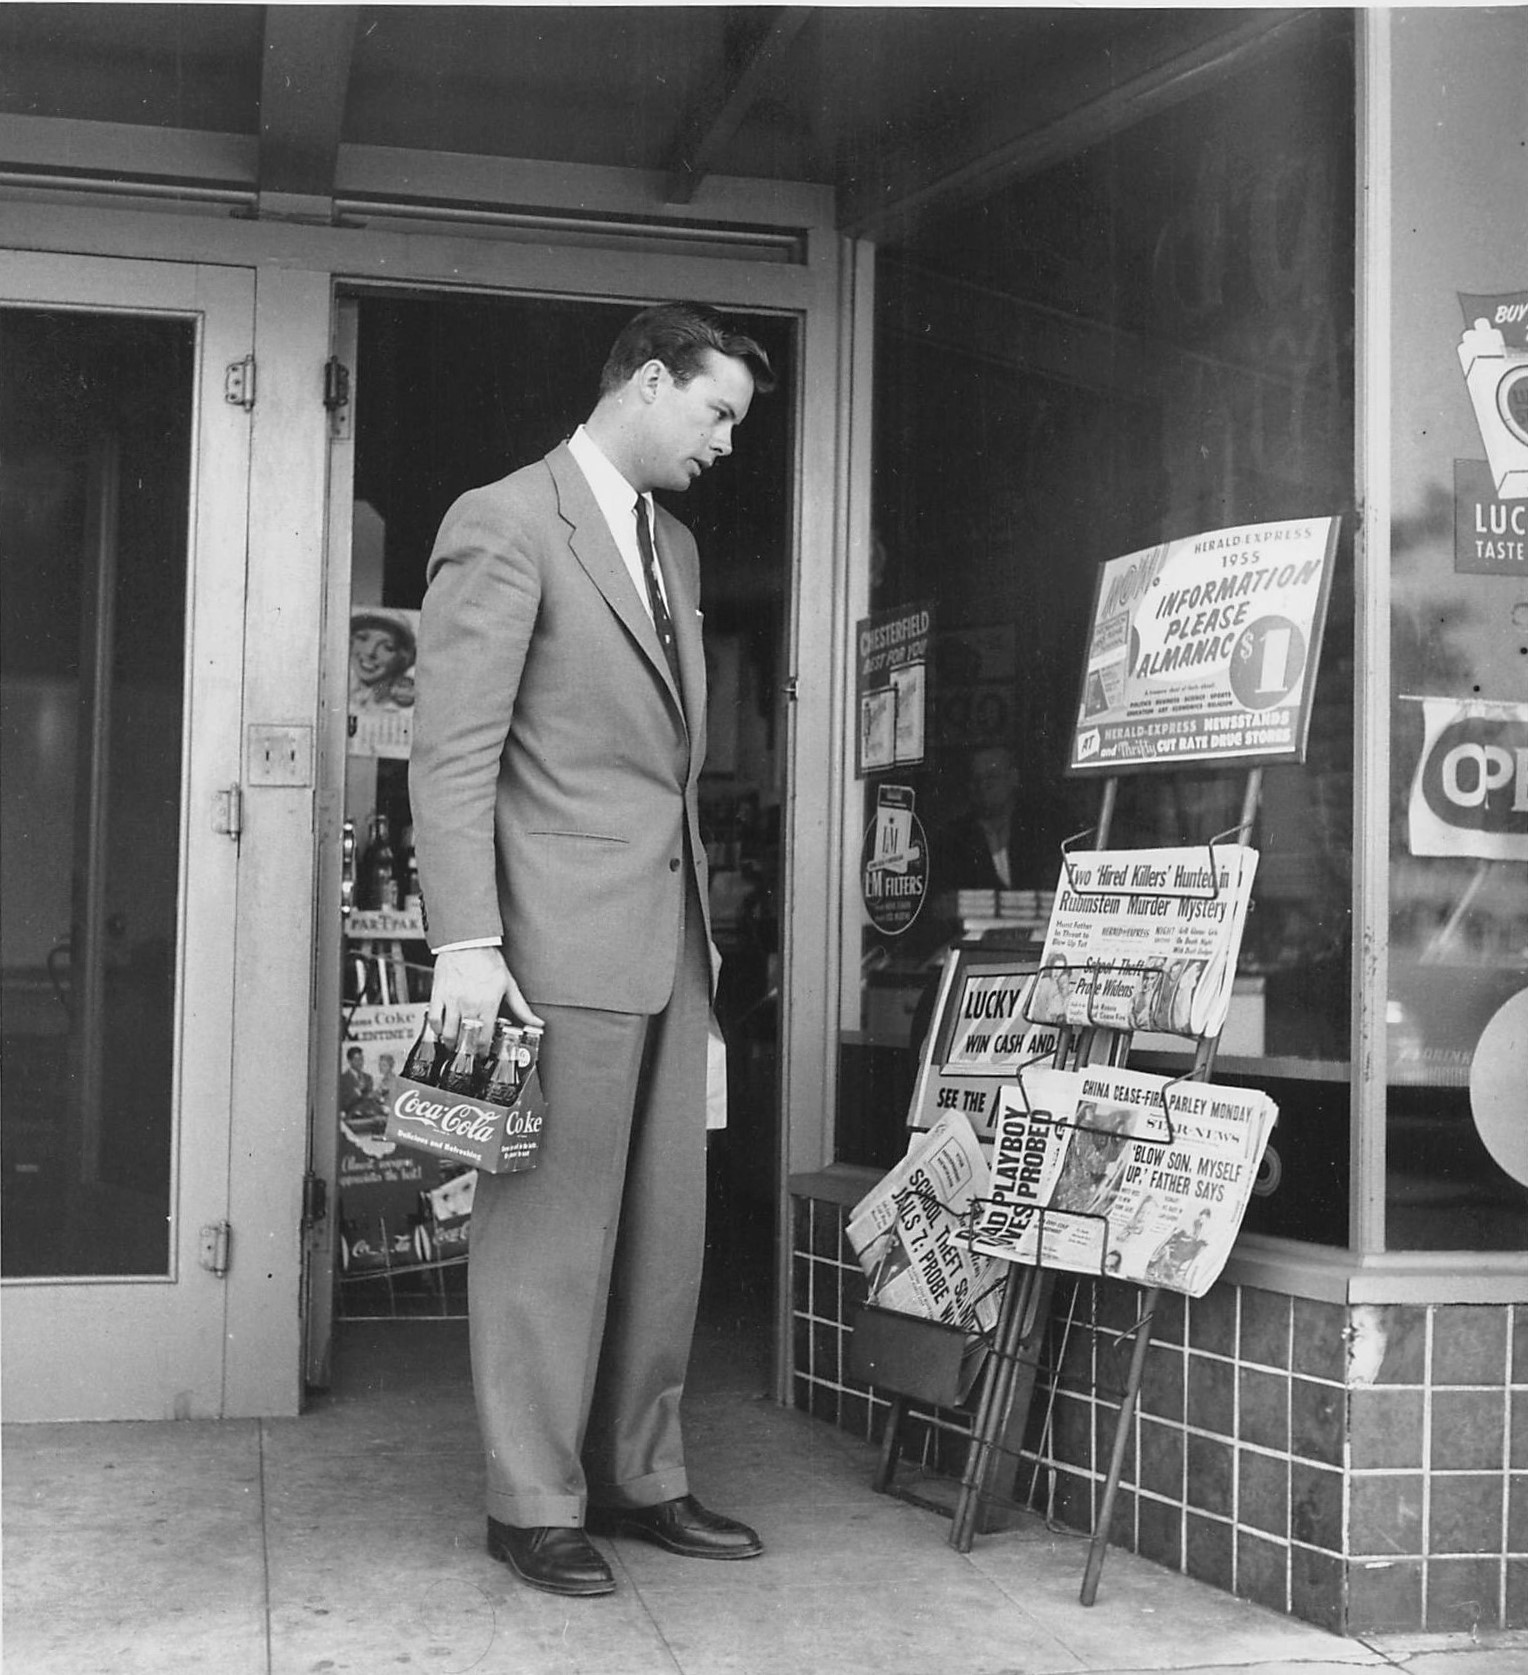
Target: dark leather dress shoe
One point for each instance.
(551, 1557)
(682, 1526)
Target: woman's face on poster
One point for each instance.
(373, 654)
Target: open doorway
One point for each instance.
(452, 391)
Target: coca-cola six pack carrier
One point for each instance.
(481, 1108)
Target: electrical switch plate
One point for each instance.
(279, 755)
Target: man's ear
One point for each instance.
(649, 378)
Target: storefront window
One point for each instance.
(1148, 340)
(1456, 1141)
(95, 431)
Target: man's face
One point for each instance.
(690, 425)
(994, 780)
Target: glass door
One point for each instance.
(122, 541)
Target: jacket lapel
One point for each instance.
(594, 547)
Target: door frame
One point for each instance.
(819, 559)
(153, 1347)
(299, 271)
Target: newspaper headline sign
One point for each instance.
(1204, 650)
(891, 676)
(1469, 794)
(905, 1230)
(981, 1038)
(1107, 1171)
(1145, 939)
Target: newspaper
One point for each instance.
(903, 1230)
(1094, 1171)
(1145, 939)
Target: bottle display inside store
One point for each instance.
(380, 873)
(410, 872)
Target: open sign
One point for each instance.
(1470, 793)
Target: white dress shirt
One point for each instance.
(616, 499)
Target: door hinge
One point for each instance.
(315, 1200)
(216, 1239)
(336, 384)
(239, 383)
(228, 811)
(337, 397)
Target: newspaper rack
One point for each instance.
(1014, 1359)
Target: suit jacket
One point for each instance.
(554, 768)
(963, 861)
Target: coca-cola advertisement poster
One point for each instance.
(379, 1181)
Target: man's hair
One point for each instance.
(679, 334)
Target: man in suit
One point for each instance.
(559, 736)
(987, 849)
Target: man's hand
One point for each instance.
(473, 983)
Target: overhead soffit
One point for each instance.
(884, 105)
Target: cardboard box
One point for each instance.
(499, 1139)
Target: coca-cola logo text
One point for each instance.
(467, 1122)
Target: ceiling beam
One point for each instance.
(304, 77)
(711, 125)
(1096, 95)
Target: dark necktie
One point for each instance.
(662, 621)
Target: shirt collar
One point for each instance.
(611, 490)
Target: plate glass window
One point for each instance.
(96, 417)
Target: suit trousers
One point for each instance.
(584, 1272)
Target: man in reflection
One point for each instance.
(987, 848)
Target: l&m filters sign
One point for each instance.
(1491, 495)
(1469, 795)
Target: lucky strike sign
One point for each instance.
(1469, 794)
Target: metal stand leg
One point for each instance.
(995, 1406)
(891, 1446)
(1098, 1545)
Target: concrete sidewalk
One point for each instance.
(351, 1539)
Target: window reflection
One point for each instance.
(1147, 340)
(1457, 1162)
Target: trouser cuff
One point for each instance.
(652, 1490)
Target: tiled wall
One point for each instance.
(1361, 1468)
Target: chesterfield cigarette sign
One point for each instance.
(1204, 650)
(1469, 795)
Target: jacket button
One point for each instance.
(674, 864)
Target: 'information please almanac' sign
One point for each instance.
(1204, 650)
